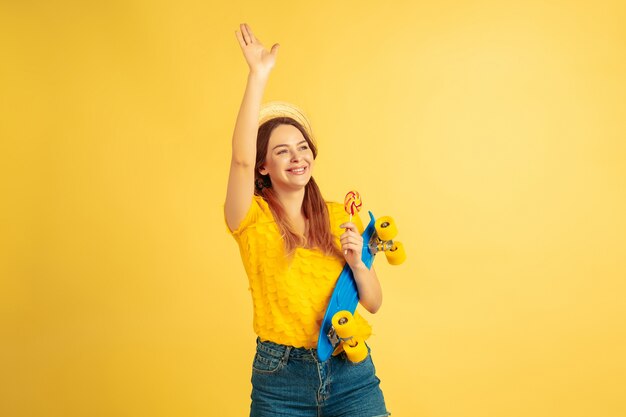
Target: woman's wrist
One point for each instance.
(359, 267)
(259, 75)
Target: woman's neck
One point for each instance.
(291, 202)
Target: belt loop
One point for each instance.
(286, 355)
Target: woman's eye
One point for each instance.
(304, 148)
(279, 152)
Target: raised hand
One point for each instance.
(258, 58)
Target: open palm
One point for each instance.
(259, 59)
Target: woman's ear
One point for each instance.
(263, 170)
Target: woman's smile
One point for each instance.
(297, 170)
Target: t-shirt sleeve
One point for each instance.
(251, 217)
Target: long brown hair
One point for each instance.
(313, 206)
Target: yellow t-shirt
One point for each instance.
(289, 296)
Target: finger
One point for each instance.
(345, 238)
(344, 248)
(240, 39)
(352, 233)
(349, 226)
(352, 239)
(352, 246)
(252, 37)
(274, 50)
(349, 246)
(244, 32)
(357, 240)
(358, 243)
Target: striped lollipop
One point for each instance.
(352, 203)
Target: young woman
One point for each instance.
(293, 245)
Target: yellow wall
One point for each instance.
(493, 132)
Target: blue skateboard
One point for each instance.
(338, 325)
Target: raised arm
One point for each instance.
(241, 178)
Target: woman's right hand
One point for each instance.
(258, 58)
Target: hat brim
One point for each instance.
(275, 109)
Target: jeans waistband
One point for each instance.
(279, 351)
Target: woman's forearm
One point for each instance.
(246, 126)
(370, 292)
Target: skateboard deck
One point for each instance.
(345, 296)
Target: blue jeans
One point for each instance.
(288, 381)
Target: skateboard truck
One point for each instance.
(333, 337)
(381, 241)
(376, 245)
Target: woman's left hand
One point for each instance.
(351, 244)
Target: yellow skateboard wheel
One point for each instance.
(344, 324)
(386, 228)
(396, 255)
(356, 353)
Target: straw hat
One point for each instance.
(274, 109)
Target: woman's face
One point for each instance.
(289, 159)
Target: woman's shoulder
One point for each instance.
(338, 215)
(333, 204)
(259, 211)
(336, 212)
(261, 206)
(334, 208)
(257, 199)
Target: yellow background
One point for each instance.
(493, 131)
